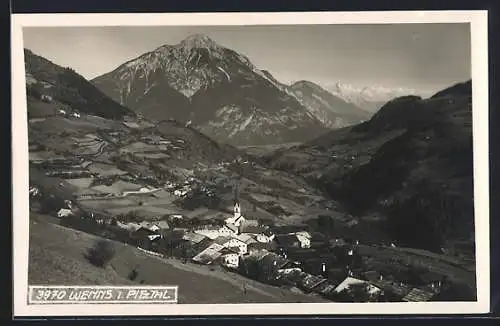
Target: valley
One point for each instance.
(198, 166)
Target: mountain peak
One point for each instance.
(198, 41)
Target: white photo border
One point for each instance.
(479, 47)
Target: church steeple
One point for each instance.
(236, 210)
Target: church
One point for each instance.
(237, 218)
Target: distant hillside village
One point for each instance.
(284, 256)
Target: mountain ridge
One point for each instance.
(219, 90)
(46, 79)
(411, 164)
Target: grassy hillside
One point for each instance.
(411, 163)
(57, 257)
(66, 87)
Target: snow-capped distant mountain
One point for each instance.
(369, 98)
(332, 110)
(219, 90)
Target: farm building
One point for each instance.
(208, 255)
(230, 260)
(350, 281)
(293, 241)
(193, 237)
(64, 212)
(418, 295)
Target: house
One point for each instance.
(264, 238)
(64, 212)
(326, 288)
(34, 191)
(350, 281)
(234, 229)
(304, 238)
(210, 232)
(227, 231)
(397, 289)
(246, 238)
(143, 232)
(128, 226)
(229, 242)
(230, 260)
(309, 281)
(46, 98)
(180, 192)
(290, 266)
(193, 237)
(153, 237)
(274, 259)
(150, 226)
(419, 295)
(249, 223)
(255, 247)
(293, 240)
(163, 225)
(209, 254)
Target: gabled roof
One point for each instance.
(255, 229)
(145, 230)
(395, 288)
(272, 257)
(222, 240)
(193, 237)
(418, 295)
(246, 238)
(349, 281)
(232, 227)
(310, 281)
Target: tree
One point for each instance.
(133, 274)
(101, 253)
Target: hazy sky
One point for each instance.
(420, 56)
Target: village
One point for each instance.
(281, 256)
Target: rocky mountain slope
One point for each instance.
(410, 164)
(220, 92)
(50, 87)
(368, 98)
(331, 110)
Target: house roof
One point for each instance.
(257, 246)
(348, 281)
(209, 254)
(145, 230)
(418, 295)
(162, 224)
(204, 258)
(231, 250)
(203, 244)
(232, 227)
(193, 237)
(395, 288)
(222, 240)
(248, 222)
(310, 281)
(256, 229)
(326, 288)
(272, 257)
(246, 238)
